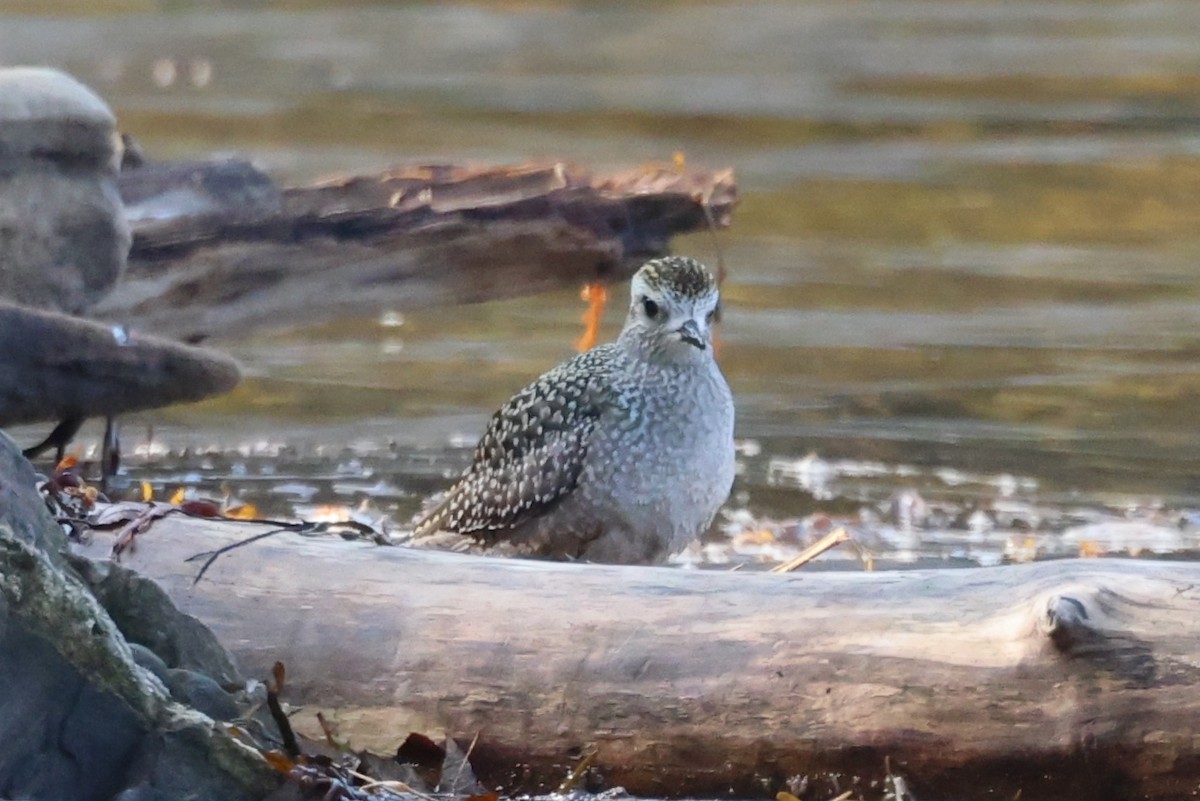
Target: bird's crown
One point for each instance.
(678, 275)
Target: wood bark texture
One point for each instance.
(1070, 679)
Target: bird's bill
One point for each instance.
(689, 332)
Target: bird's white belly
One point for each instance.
(679, 471)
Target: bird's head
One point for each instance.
(672, 307)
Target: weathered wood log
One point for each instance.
(218, 251)
(54, 367)
(1072, 679)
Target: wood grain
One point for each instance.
(1059, 679)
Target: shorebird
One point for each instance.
(623, 453)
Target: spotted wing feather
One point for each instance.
(531, 455)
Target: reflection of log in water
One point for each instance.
(1058, 680)
(217, 250)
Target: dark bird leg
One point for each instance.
(110, 452)
(58, 439)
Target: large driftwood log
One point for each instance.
(1074, 679)
(218, 249)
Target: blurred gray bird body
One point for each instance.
(621, 454)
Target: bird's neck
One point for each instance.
(654, 354)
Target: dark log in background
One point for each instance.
(218, 250)
(1073, 679)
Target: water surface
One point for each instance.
(962, 303)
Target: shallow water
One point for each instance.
(961, 311)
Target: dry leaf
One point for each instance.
(200, 509)
(246, 511)
(596, 296)
(279, 761)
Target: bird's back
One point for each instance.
(533, 451)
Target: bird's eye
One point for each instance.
(714, 316)
(650, 307)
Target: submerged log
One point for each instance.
(218, 250)
(1072, 679)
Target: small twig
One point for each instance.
(833, 538)
(290, 746)
(581, 768)
(899, 786)
(370, 783)
(466, 760)
(705, 204)
(328, 730)
(212, 556)
(124, 537)
(110, 452)
(302, 528)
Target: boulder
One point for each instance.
(63, 233)
(80, 717)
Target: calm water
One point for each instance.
(964, 287)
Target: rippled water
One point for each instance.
(963, 278)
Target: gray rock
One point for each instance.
(202, 694)
(145, 614)
(22, 508)
(177, 768)
(48, 114)
(63, 233)
(63, 737)
(142, 792)
(151, 662)
(79, 718)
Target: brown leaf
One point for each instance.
(200, 509)
(279, 761)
